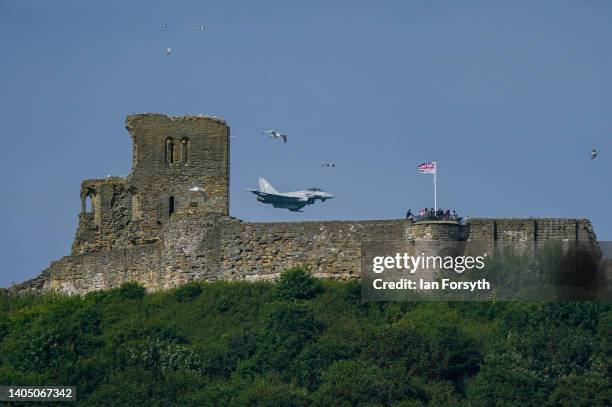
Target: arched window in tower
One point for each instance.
(169, 150)
(184, 148)
(88, 204)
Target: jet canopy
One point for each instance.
(315, 189)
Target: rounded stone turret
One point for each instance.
(437, 231)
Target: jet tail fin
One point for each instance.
(265, 186)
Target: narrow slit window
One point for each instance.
(169, 150)
(170, 206)
(184, 148)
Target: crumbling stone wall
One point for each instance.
(208, 246)
(531, 229)
(106, 226)
(332, 249)
(104, 269)
(170, 155)
(529, 234)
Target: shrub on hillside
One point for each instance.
(454, 355)
(317, 356)
(297, 283)
(360, 382)
(269, 391)
(287, 328)
(188, 291)
(4, 329)
(132, 291)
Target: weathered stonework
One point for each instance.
(151, 229)
(170, 155)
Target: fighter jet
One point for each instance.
(294, 201)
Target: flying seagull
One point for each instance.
(594, 154)
(200, 190)
(276, 134)
(331, 165)
(167, 51)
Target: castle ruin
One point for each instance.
(150, 228)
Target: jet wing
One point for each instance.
(293, 204)
(287, 198)
(260, 193)
(278, 197)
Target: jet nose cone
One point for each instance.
(328, 196)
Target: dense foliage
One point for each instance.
(304, 342)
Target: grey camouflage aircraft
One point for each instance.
(294, 201)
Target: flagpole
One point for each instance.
(435, 188)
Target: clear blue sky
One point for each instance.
(510, 97)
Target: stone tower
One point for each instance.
(170, 155)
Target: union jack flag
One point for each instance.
(427, 168)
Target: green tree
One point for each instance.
(287, 328)
(297, 283)
(131, 291)
(188, 292)
(359, 382)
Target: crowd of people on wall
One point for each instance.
(429, 214)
